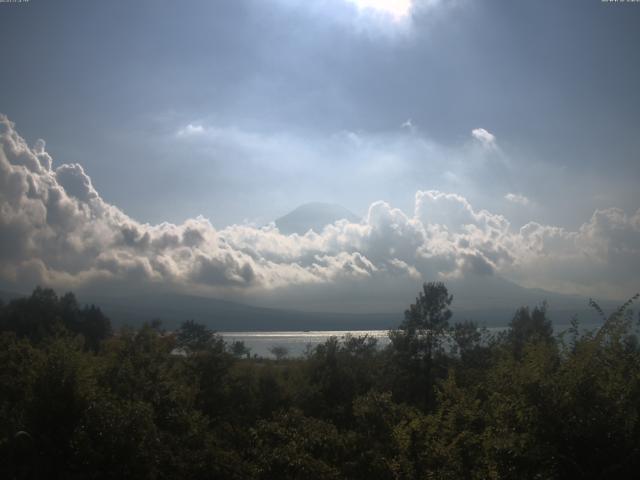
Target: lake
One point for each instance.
(297, 342)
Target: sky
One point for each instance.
(478, 137)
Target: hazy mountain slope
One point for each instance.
(224, 315)
(8, 295)
(492, 299)
(487, 300)
(479, 302)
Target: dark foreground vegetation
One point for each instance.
(80, 401)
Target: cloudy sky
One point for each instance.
(473, 138)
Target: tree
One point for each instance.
(468, 343)
(279, 352)
(430, 313)
(239, 349)
(529, 326)
(43, 313)
(195, 337)
(32, 317)
(425, 322)
(415, 344)
(338, 372)
(94, 325)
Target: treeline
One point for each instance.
(440, 401)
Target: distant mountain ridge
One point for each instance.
(224, 315)
(313, 216)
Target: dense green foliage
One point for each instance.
(441, 401)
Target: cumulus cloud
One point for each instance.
(56, 229)
(601, 258)
(518, 199)
(76, 183)
(483, 136)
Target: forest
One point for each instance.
(82, 400)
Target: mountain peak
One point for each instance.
(313, 216)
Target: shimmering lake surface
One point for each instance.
(298, 342)
(295, 342)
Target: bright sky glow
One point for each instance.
(397, 8)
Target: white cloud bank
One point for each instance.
(55, 229)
